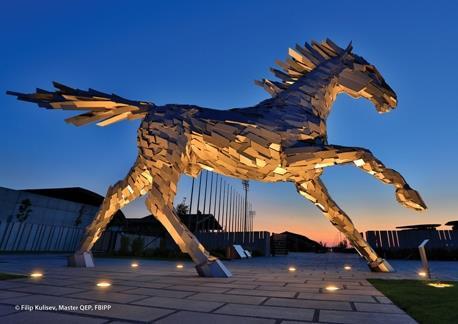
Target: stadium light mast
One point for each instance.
(246, 185)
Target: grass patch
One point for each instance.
(424, 303)
(7, 276)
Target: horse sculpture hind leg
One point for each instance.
(314, 190)
(137, 183)
(160, 203)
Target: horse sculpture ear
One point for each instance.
(347, 50)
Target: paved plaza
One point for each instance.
(262, 290)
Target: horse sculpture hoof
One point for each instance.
(380, 265)
(81, 260)
(213, 268)
(410, 198)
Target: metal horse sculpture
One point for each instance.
(280, 139)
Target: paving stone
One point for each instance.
(229, 285)
(294, 322)
(198, 288)
(382, 308)
(306, 303)
(199, 318)
(45, 300)
(384, 300)
(268, 311)
(294, 289)
(142, 284)
(270, 283)
(47, 290)
(226, 298)
(9, 284)
(107, 295)
(10, 294)
(130, 312)
(59, 282)
(116, 287)
(49, 317)
(266, 293)
(363, 317)
(356, 292)
(315, 285)
(159, 292)
(6, 309)
(349, 298)
(183, 304)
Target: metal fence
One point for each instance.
(21, 237)
(410, 239)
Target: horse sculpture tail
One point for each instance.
(103, 108)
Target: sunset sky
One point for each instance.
(208, 53)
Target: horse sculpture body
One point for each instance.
(280, 139)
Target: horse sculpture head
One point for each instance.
(324, 64)
(359, 79)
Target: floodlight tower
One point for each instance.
(246, 185)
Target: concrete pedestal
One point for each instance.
(213, 268)
(381, 265)
(81, 260)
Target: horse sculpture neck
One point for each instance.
(316, 91)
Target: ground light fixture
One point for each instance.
(440, 285)
(422, 274)
(292, 269)
(36, 275)
(134, 265)
(180, 266)
(331, 288)
(347, 267)
(103, 284)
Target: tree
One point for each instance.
(24, 210)
(182, 209)
(79, 219)
(342, 244)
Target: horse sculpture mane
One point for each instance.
(301, 60)
(280, 139)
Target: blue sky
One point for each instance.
(208, 53)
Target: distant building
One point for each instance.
(47, 220)
(54, 220)
(286, 242)
(410, 236)
(57, 206)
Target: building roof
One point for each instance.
(75, 194)
(419, 227)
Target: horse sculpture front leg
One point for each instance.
(310, 186)
(315, 191)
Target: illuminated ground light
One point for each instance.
(331, 288)
(36, 275)
(422, 274)
(440, 285)
(347, 267)
(103, 284)
(180, 266)
(291, 269)
(134, 265)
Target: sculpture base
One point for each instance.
(213, 268)
(380, 265)
(81, 260)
